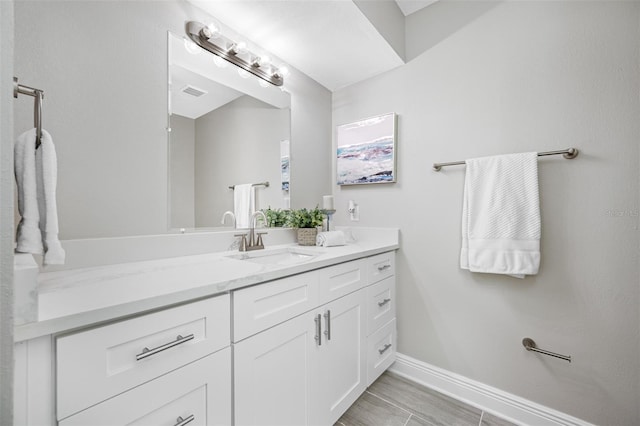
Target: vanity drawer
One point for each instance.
(339, 280)
(381, 304)
(381, 351)
(199, 393)
(99, 363)
(262, 306)
(381, 266)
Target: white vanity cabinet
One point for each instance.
(296, 350)
(308, 366)
(151, 369)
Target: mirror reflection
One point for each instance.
(226, 130)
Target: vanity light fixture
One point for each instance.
(235, 52)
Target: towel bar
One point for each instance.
(266, 184)
(530, 345)
(569, 154)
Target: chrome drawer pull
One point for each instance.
(317, 337)
(327, 319)
(182, 422)
(386, 347)
(384, 302)
(384, 267)
(146, 352)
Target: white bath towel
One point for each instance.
(330, 239)
(243, 204)
(28, 235)
(36, 177)
(501, 215)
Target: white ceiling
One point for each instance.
(330, 41)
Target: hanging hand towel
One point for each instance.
(501, 215)
(36, 176)
(47, 177)
(243, 204)
(28, 235)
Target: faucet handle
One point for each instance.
(243, 241)
(259, 242)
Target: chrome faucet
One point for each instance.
(233, 218)
(252, 243)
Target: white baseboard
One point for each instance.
(510, 407)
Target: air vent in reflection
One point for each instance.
(193, 91)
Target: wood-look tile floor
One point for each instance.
(395, 401)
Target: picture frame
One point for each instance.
(366, 150)
(285, 166)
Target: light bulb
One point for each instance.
(238, 48)
(241, 47)
(243, 73)
(265, 61)
(214, 30)
(283, 70)
(256, 61)
(191, 47)
(280, 72)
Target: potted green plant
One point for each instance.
(276, 218)
(306, 223)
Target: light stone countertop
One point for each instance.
(76, 298)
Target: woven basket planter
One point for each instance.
(307, 236)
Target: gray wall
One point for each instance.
(182, 172)
(238, 143)
(6, 212)
(103, 66)
(492, 78)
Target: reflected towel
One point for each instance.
(243, 204)
(36, 176)
(501, 215)
(330, 239)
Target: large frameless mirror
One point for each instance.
(226, 128)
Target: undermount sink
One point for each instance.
(282, 256)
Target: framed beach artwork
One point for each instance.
(366, 150)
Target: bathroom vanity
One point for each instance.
(287, 335)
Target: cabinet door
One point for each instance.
(198, 394)
(275, 374)
(342, 368)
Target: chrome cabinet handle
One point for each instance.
(327, 319)
(182, 422)
(317, 337)
(384, 302)
(146, 352)
(384, 267)
(386, 347)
